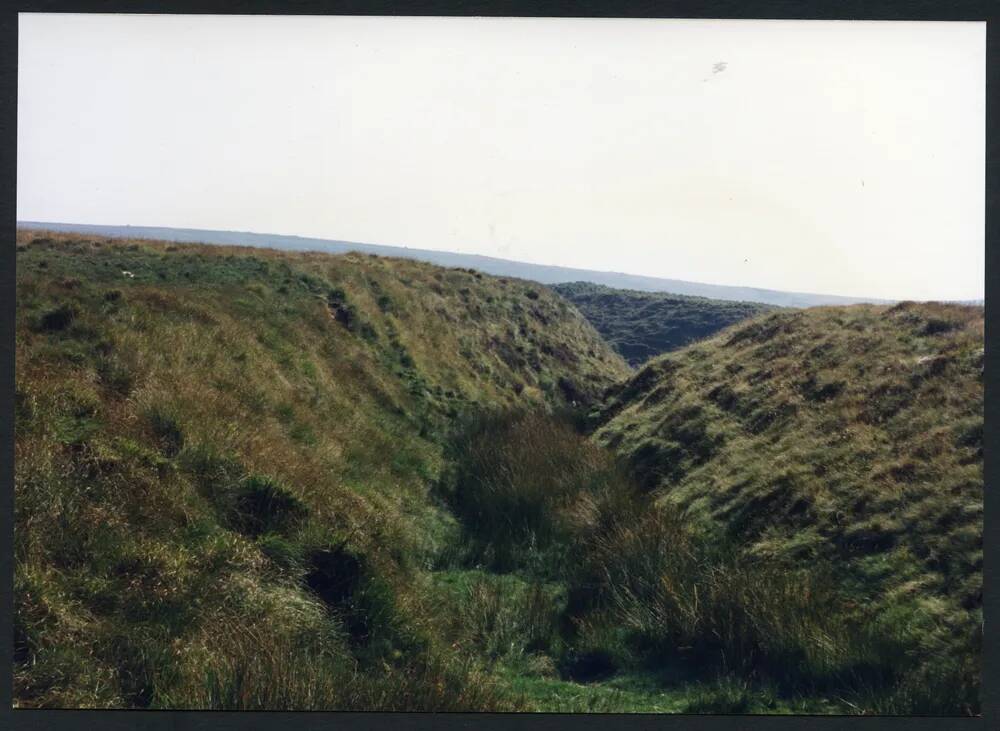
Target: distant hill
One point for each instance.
(489, 265)
(641, 325)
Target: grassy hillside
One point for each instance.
(223, 465)
(641, 325)
(248, 479)
(842, 439)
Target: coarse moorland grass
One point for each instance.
(247, 479)
(516, 482)
(642, 600)
(848, 438)
(223, 466)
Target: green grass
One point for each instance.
(247, 479)
(625, 694)
(191, 440)
(572, 576)
(645, 692)
(846, 438)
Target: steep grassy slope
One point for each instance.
(846, 438)
(223, 459)
(641, 325)
(250, 479)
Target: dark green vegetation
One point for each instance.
(248, 479)
(641, 325)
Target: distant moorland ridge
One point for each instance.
(490, 265)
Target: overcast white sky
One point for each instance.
(841, 158)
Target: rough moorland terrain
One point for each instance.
(846, 438)
(248, 479)
(214, 446)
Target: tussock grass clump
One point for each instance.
(695, 599)
(58, 319)
(167, 432)
(503, 619)
(283, 552)
(262, 505)
(299, 680)
(518, 478)
(115, 374)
